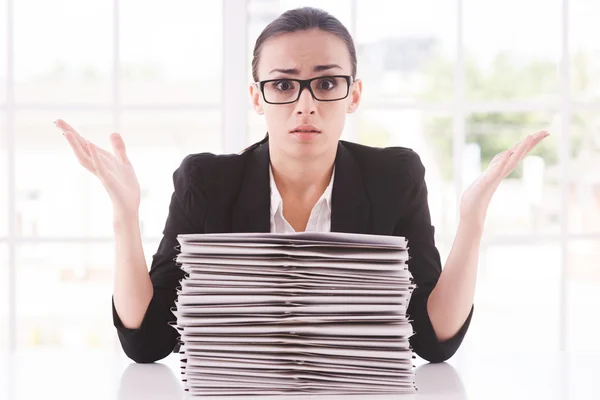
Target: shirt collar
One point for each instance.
(276, 199)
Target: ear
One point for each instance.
(355, 95)
(255, 98)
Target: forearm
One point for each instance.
(132, 285)
(450, 301)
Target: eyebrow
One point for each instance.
(294, 71)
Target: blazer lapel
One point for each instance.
(350, 206)
(252, 209)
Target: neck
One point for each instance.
(302, 178)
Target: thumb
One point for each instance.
(118, 146)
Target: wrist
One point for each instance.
(123, 221)
(472, 223)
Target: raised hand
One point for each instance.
(114, 171)
(476, 199)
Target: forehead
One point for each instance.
(303, 50)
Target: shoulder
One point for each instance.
(204, 170)
(395, 162)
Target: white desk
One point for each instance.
(94, 375)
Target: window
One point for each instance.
(584, 183)
(582, 284)
(4, 304)
(585, 50)
(165, 100)
(3, 50)
(61, 198)
(173, 54)
(65, 62)
(455, 94)
(407, 53)
(64, 294)
(517, 300)
(3, 178)
(506, 58)
(528, 200)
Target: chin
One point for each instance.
(304, 148)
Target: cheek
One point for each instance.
(334, 113)
(276, 116)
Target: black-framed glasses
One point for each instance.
(322, 88)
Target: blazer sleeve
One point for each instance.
(425, 266)
(155, 338)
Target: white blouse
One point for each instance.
(320, 216)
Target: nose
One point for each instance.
(306, 104)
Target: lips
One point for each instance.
(305, 129)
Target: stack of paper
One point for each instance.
(263, 313)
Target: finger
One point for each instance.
(534, 140)
(65, 127)
(104, 155)
(537, 138)
(119, 148)
(102, 171)
(81, 155)
(519, 153)
(83, 145)
(503, 163)
(497, 166)
(84, 142)
(516, 145)
(107, 178)
(499, 157)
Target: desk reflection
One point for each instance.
(439, 381)
(159, 381)
(151, 382)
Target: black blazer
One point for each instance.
(375, 190)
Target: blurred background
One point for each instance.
(457, 81)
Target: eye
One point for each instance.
(283, 85)
(327, 84)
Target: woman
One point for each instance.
(299, 177)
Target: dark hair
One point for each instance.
(302, 19)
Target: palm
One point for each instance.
(125, 186)
(478, 195)
(114, 171)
